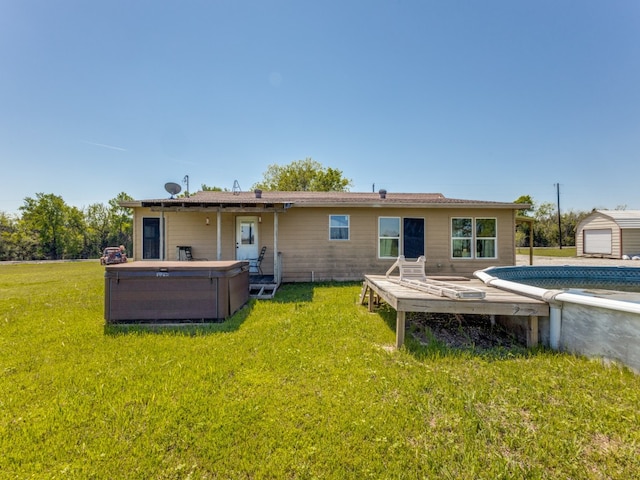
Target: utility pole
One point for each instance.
(557, 185)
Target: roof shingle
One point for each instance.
(319, 199)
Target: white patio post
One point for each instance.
(276, 273)
(219, 235)
(163, 255)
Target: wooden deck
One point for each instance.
(496, 302)
(262, 286)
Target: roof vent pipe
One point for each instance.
(383, 193)
(258, 193)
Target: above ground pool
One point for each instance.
(571, 276)
(594, 310)
(614, 283)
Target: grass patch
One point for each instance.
(304, 386)
(549, 251)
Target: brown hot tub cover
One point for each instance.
(175, 291)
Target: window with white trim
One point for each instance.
(474, 237)
(338, 227)
(486, 238)
(388, 237)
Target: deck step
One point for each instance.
(263, 290)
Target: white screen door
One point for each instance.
(246, 238)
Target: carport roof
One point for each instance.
(624, 218)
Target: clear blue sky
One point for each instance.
(482, 100)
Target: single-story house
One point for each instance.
(319, 236)
(609, 233)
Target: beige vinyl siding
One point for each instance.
(308, 254)
(439, 257)
(139, 215)
(631, 241)
(191, 230)
(597, 221)
(188, 229)
(625, 234)
(265, 238)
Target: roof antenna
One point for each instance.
(236, 187)
(185, 180)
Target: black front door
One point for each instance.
(413, 237)
(151, 238)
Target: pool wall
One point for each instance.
(590, 326)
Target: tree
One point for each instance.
(48, 228)
(97, 218)
(7, 229)
(303, 175)
(570, 221)
(74, 235)
(120, 222)
(54, 225)
(207, 188)
(545, 233)
(522, 229)
(526, 199)
(24, 243)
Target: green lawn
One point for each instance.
(303, 386)
(548, 251)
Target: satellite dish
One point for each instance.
(172, 188)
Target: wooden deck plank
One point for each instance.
(496, 302)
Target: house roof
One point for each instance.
(624, 218)
(275, 199)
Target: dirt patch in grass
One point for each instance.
(461, 331)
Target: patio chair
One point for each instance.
(189, 255)
(254, 263)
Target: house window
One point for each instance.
(473, 237)
(388, 237)
(486, 238)
(338, 227)
(461, 237)
(247, 232)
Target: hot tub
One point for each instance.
(165, 292)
